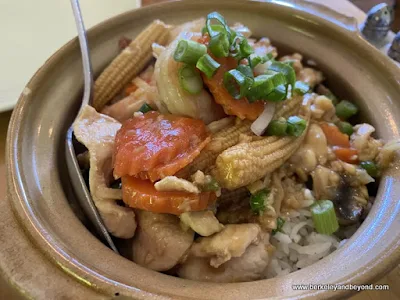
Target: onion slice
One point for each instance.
(260, 125)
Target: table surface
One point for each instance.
(393, 278)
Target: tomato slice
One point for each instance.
(153, 146)
(141, 194)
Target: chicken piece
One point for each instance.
(160, 243)
(325, 182)
(387, 154)
(322, 108)
(232, 241)
(312, 152)
(97, 132)
(173, 183)
(243, 30)
(202, 222)
(248, 267)
(368, 147)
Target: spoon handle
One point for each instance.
(87, 66)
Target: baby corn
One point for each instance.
(245, 163)
(128, 64)
(220, 141)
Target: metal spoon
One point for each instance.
(77, 180)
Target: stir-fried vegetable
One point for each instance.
(286, 70)
(324, 217)
(346, 128)
(334, 136)
(142, 194)
(207, 65)
(346, 109)
(190, 80)
(257, 201)
(256, 60)
(277, 127)
(219, 45)
(145, 108)
(301, 88)
(296, 126)
(237, 83)
(348, 155)
(189, 52)
(153, 146)
(370, 167)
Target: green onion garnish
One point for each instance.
(189, 52)
(145, 108)
(219, 45)
(243, 49)
(324, 217)
(255, 60)
(245, 70)
(287, 70)
(279, 224)
(237, 83)
(296, 126)
(301, 88)
(190, 79)
(212, 185)
(277, 127)
(261, 87)
(215, 27)
(257, 201)
(346, 128)
(346, 109)
(278, 94)
(207, 65)
(332, 96)
(214, 16)
(370, 167)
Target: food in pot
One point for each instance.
(232, 163)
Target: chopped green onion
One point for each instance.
(289, 62)
(346, 128)
(245, 70)
(255, 60)
(207, 65)
(278, 94)
(296, 126)
(261, 87)
(220, 19)
(370, 167)
(277, 127)
(145, 108)
(245, 49)
(346, 109)
(324, 217)
(237, 83)
(219, 45)
(190, 79)
(301, 88)
(279, 224)
(215, 27)
(212, 185)
(287, 70)
(257, 201)
(189, 52)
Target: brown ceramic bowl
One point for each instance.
(68, 261)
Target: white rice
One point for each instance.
(298, 245)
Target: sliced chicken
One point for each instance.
(203, 222)
(160, 243)
(248, 267)
(232, 241)
(368, 147)
(97, 133)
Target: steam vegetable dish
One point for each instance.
(232, 163)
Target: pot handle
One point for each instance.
(323, 11)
